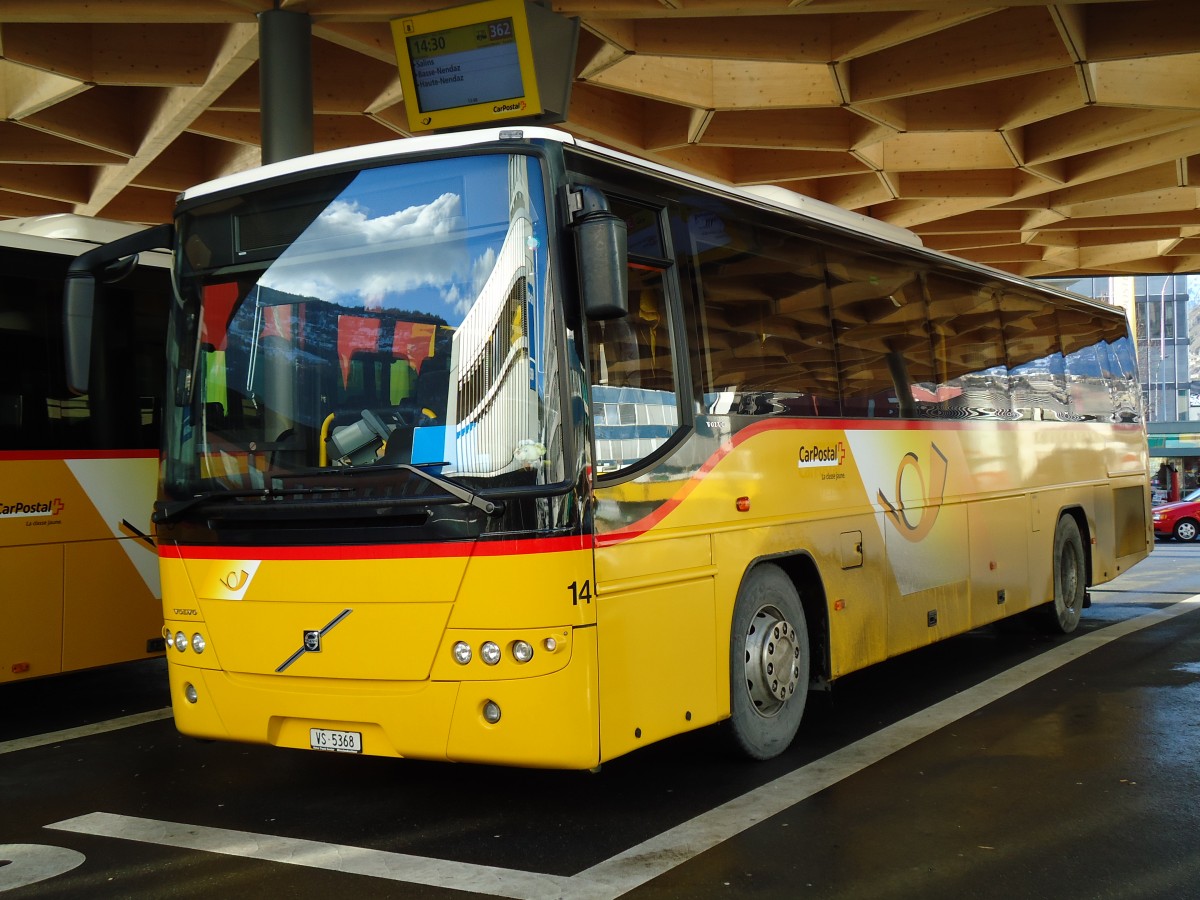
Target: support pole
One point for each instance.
(285, 84)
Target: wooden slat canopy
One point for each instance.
(1040, 138)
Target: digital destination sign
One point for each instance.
(467, 65)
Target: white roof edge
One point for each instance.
(367, 152)
(774, 195)
(71, 227)
(69, 234)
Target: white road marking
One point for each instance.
(639, 864)
(318, 855)
(23, 864)
(70, 734)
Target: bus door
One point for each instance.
(654, 576)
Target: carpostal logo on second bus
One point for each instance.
(830, 455)
(32, 509)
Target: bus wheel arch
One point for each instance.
(1071, 568)
(770, 660)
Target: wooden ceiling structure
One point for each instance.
(1041, 138)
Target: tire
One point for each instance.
(1186, 530)
(769, 663)
(1070, 578)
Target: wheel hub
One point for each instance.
(772, 660)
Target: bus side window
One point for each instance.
(764, 345)
(883, 351)
(969, 357)
(634, 403)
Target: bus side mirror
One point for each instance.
(602, 253)
(109, 262)
(79, 295)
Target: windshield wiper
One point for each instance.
(166, 510)
(453, 489)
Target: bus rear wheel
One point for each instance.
(1070, 578)
(769, 663)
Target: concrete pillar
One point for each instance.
(285, 84)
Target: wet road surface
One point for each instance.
(1003, 763)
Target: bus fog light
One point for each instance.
(522, 651)
(189, 691)
(462, 653)
(490, 653)
(167, 636)
(550, 644)
(180, 641)
(491, 712)
(198, 642)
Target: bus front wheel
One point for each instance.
(1070, 577)
(769, 663)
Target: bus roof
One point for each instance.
(771, 195)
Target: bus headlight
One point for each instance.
(522, 651)
(181, 641)
(490, 652)
(462, 653)
(198, 642)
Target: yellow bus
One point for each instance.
(77, 474)
(503, 447)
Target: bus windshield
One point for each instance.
(340, 327)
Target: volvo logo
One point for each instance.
(311, 640)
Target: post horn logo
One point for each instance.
(930, 495)
(235, 581)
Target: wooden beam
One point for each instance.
(751, 38)
(674, 126)
(140, 205)
(1138, 154)
(178, 109)
(106, 118)
(1156, 83)
(915, 152)
(1133, 30)
(1005, 44)
(984, 183)
(771, 166)
(1096, 128)
(25, 91)
(68, 184)
(15, 206)
(854, 36)
(19, 144)
(69, 12)
(855, 191)
(792, 129)
(950, 243)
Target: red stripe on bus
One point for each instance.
(382, 551)
(648, 522)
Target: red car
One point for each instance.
(1180, 520)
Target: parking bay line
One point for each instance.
(636, 866)
(70, 734)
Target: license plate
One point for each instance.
(337, 741)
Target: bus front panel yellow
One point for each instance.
(486, 656)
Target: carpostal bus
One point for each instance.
(506, 448)
(78, 567)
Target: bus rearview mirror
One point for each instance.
(603, 269)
